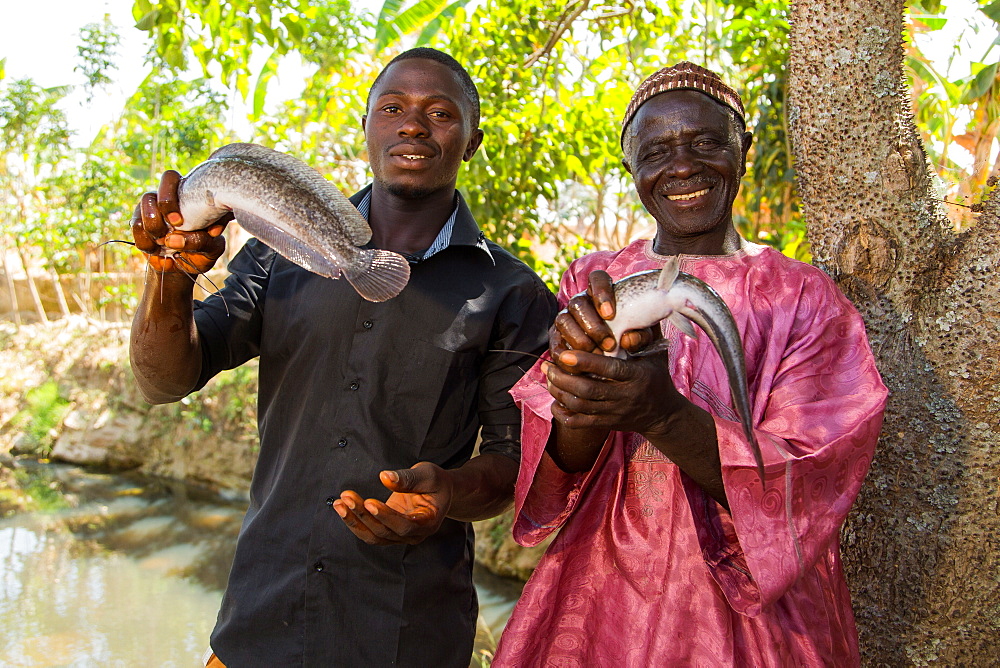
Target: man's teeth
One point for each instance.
(415, 157)
(674, 198)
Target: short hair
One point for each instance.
(426, 53)
(685, 76)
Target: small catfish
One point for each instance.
(290, 206)
(645, 298)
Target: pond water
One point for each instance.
(122, 570)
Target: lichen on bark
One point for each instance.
(921, 548)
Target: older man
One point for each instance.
(671, 550)
(356, 549)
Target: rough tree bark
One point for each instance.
(921, 549)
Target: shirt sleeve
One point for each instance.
(229, 320)
(522, 326)
(820, 401)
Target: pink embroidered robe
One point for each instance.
(647, 570)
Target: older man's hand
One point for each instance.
(583, 326)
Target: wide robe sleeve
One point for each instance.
(817, 402)
(545, 496)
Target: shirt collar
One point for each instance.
(459, 230)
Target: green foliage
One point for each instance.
(223, 32)
(193, 413)
(396, 20)
(61, 204)
(94, 197)
(228, 34)
(554, 81)
(33, 130)
(992, 11)
(500, 529)
(238, 390)
(323, 124)
(957, 116)
(231, 403)
(120, 295)
(549, 262)
(34, 144)
(97, 50)
(170, 124)
(980, 83)
(336, 32)
(45, 410)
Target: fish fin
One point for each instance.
(379, 275)
(669, 273)
(678, 320)
(658, 346)
(294, 249)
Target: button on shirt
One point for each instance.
(349, 388)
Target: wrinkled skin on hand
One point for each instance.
(594, 391)
(582, 325)
(168, 250)
(420, 500)
(594, 394)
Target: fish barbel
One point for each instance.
(645, 298)
(290, 206)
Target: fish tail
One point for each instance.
(379, 274)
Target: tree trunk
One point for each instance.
(60, 294)
(11, 289)
(921, 548)
(32, 288)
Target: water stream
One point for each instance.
(122, 570)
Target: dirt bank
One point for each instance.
(66, 392)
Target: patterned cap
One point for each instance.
(684, 76)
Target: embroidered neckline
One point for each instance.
(744, 250)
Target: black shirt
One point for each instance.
(349, 388)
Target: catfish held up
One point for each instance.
(646, 298)
(293, 209)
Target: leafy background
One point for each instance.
(554, 80)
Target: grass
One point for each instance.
(45, 410)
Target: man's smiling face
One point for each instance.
(419, 129)
(687, 155)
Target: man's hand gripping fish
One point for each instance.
(290, 206)
(645, 298)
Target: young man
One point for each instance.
(358, 397)
(670, 550)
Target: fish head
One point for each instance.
(197, 192)
(641, 302)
